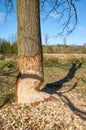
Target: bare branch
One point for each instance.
(66, 11)
(8, 4)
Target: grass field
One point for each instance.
(67, 71)
(65, 80)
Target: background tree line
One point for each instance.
(11, 48)
(64, 49)
(8, 48)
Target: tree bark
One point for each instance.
(30, 61)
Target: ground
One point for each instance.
(65, 81)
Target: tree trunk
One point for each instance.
(30, 61)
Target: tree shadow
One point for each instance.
(7, 84)
(51, 88)
(6, 99)
(8, 78)
(9, 73)
(78, 112)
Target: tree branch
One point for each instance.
(66, 11)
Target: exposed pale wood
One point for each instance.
(30, 77)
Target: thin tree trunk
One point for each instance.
(30, 61)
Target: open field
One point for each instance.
(65, 80)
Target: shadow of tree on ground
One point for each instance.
(6, 99)
(52, 88)
(7, 86)
(78, 112)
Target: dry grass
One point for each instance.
(65, 78)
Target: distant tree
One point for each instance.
(84, 44)
(64, 45)
(65, 41)
(12, 38)
(14, 48)
(46, 38)
(0, 43)
(6, 48)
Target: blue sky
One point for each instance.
(8, 26)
